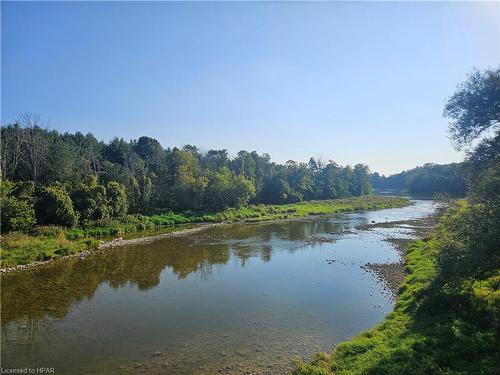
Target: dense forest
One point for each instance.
(427, 179)
(65, 179)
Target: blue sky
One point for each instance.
(353, 82)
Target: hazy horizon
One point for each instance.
(351, 82)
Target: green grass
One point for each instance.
(429, 331)
(52, 242)
(48, 243)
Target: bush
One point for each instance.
(54, 206)
(469, 239)
(17, 209)
(90, 201)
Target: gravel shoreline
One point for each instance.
(112, 244)
(392, 275)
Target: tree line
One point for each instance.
(65, 179)
(427, 179)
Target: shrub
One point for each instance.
(90, 201)
(16, 202)
(54, 206)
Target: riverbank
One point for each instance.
(111, 244)
(392, 275)
(432, 330)
(47, 244)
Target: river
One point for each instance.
(236, 298)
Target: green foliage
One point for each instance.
(361, 177)
(224, 189)
(149, 150)
(427, 179)
(471, 249)
(17, 207)
(189, 183)
(171, 179)
(54, 206)
(117, 199)
(474, 108)
(469, 239)
(48, 231)
(90, 201)
(145, 193)
(242, 191)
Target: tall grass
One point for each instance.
(47, 243)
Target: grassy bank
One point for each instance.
(432, 330)
(52, 242)
(20, 248)
(250, 214)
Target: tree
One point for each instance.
(118, 151)
(90, 200)
(54, 206)
(275, 190)
(60, 160)
(361, 184)
(35, 144)
(243, 190)
(117, 199)
(217, 193)
(12, 155)
(224, 189)
(150, 150)
(475, 107)
(215, 159)
(189, 183)
(475, 113)
(470, 250)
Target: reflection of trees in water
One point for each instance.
(51, 290)
(265, 254)
(243, 251)
(286, 230)
(256, 239)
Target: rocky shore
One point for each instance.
(391, 275)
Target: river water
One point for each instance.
(231, 299)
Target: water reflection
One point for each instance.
(50, 291)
